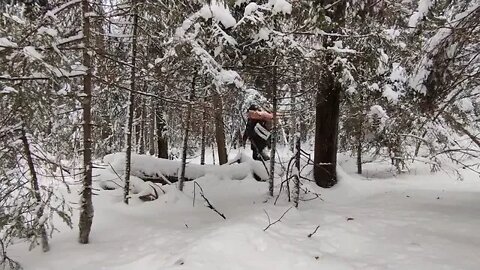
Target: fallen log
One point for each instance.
(149, 169)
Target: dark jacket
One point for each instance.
(251, 134)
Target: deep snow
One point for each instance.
(408, 222)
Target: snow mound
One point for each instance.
(145, 166)
(148, 171)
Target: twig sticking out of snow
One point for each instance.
(311, 234)
(209, 205)
(115, 172)
(276, 221)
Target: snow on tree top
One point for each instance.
(280, 6)
(389, 93)
(218, 12)
(422, 10)
(250, 8)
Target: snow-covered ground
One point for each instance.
(410, 222)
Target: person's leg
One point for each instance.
(264, 154)
(254, 148)
(261, 153)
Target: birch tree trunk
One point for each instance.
(36, 191)
(131, 106)
(86, 205)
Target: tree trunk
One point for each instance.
(326, 131)
(131, 105)
(151, 131)
(359, 156)
(181, 180)
(36, 191)
(162, 143)
(213, 155)
(86, 206)
(136, 125)
(327, 105)
(273, 138)
(219, 129)
(296, 174)
(293, 118)
(143, 131)
(204, 127)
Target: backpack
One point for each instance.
(261, 123)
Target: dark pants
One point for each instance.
(257, 148)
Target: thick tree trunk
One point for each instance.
(131, 105)
(36, 191)
(219, 129)
(86, 206)
(181, 180)
(326, 131)
(328, 104)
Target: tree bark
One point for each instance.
(162, 143)
(328, 104)
(131, 105)
(326, 131)
(296, 174)
(143, 131)
(213, 155)
(273, 138)
(204, 127)
(293, 117)
(181, 180)
(36, 191)
(219, 129)
(359, 156)
(86, 205)
(151, 131)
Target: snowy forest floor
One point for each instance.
(420, 221)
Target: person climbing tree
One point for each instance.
(257, 130)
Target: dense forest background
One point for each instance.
(388, 80)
